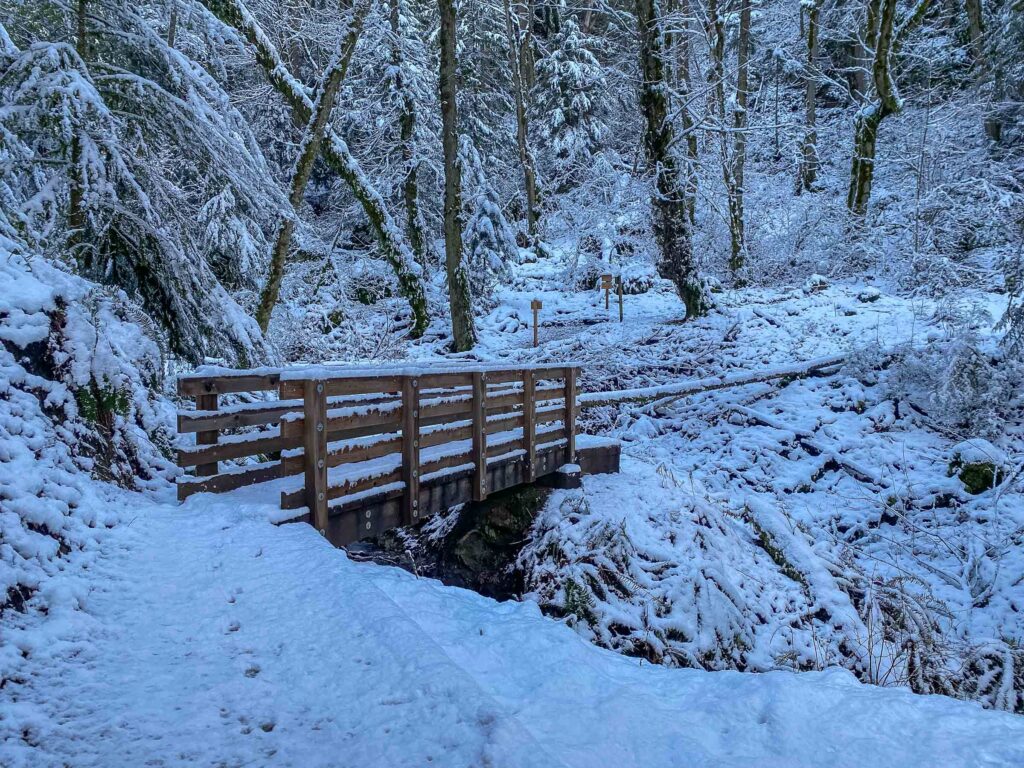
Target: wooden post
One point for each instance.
(290, 465)
(315, 459)
(536, 305)
(570, 415)
(480, 435)
(411, 449)
(530, 425)
(606, 284)
(209, 437)
(618, 285)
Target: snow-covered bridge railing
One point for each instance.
(393, 444)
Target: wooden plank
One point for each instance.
(505, 401)
(505, 423)
(226, 384)
(549, 414)
(363, 385)
(410, 449)
(445, 380)
(229, 481)
(315, 417)
(445, 462)
(479, 436)
(200, 455)
(570, 414)
(379, 421)
(207, 402)
(499, 449)
(270, 414)
(447, 434)
(295, 499)
(350, 454)
(529, 424)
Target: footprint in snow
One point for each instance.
(234, 626)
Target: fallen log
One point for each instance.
(669, 393)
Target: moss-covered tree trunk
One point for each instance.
(309, 148)
(671, 218)
(407, 139)
(886, 37)
(335, 151)
(518, 35)
(737, 224)
(463, 332)
(77, 247)
(809, 161)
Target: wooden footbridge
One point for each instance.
(358, 451)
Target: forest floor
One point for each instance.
(201, 634)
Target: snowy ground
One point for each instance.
(201, 634)
(206, 636)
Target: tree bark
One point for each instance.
(463, 332)
(887, 37)
(518, 44)
(737, 228)
(335, 151)
(671, 218)
(407, 137)
(684, 86)
(77, 247)
(976, 29)
(809, 161)
(309, 148)
(172, 24)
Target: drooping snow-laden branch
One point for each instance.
(336, 152)
(309, 148)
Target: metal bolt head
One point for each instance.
(415, 473)
(320, 464)
(415, 382)
(415, 503)
(368, 513)
(415, 414)
(320, 496)
(320, 386)
(319, 426)
(323, 532)
(415, 443)
(369, 526)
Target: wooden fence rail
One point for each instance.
(349, 436)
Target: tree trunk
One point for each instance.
(976, 29)
(463, 332)
(172, 24)
(518, 44)
(77, 247)
(309, 148)
(887, 37)
(335, 151)
(737, 230)
(684, 86)
(671, 218)
(407, 136)
(809, 161)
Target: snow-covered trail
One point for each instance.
(210, 637)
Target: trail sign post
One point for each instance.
(606, 284)
(536, 305)
(618, 285)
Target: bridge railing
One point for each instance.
(348, 434)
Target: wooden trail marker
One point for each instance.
(536, 305)
(618, 285)
(606, 284)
